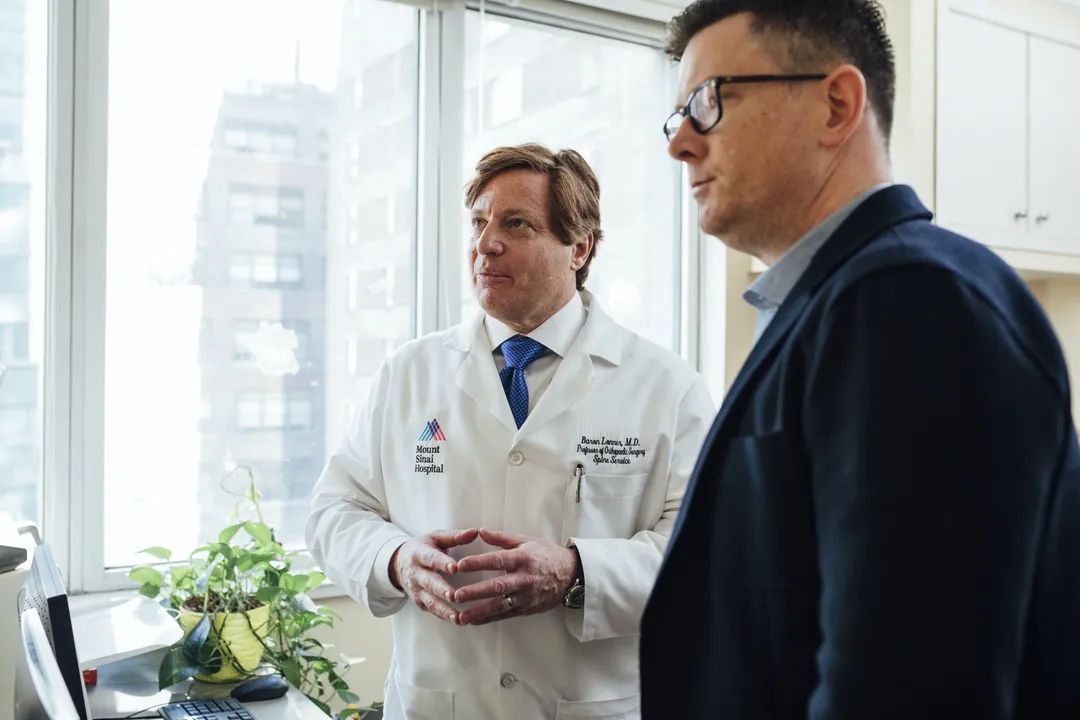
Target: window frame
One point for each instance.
(72, 488)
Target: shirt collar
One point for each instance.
(772, 287)
(557, 333)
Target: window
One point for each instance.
(264, 205)
(274, 411)
(602, 98)
(265, 270)
(23, 105)
(350, 355)
(252, 137)
(14, 342)
(232, 116)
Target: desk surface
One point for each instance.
(128, 687)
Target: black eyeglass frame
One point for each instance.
(715, 84)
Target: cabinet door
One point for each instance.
(982, 130)
(1055, 146)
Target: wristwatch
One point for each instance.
(574, 597)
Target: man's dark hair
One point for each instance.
(809, 35)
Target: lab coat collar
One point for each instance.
(603, 336)
(478, 377)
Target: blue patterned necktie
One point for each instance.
(518, 352)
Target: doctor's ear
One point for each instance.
(582, 248)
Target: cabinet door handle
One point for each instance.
(1020, 215)
(1042, 218)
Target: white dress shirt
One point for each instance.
(557, 334)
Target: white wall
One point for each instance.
(358, 634)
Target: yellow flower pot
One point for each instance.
(235, 631)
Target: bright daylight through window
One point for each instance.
(261, 204)
(23, 59)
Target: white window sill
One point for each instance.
(88, 602)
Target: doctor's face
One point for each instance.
(522, 272)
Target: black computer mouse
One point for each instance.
(265, 687)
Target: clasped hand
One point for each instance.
(536, 574)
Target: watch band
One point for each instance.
(574, 597)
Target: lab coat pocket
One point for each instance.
(423, 704)
(605, 506)
(627, 708)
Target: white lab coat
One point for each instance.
(393, 478)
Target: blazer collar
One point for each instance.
(884, 209)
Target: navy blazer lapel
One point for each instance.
(884, 209)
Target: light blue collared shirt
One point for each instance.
(769, 291)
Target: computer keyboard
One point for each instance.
(220, 709)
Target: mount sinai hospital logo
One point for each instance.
(432, 431)
(429, 451)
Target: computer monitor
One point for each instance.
(43, 594)
(40, 691)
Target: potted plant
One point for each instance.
(245, 612)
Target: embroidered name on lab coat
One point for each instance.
(603, 450)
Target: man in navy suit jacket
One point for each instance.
(885, 518)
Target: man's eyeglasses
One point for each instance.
(704, 108)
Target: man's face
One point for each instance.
(755, 160)
(521, 271)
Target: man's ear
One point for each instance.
(582, 248)
(844, 93)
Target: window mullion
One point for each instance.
(88, 295)
(58, 512)
(451, 153)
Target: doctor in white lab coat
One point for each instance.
(508, 490)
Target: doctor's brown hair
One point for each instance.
(575, 192)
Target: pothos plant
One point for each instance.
(247, 570)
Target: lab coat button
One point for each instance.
(516, 458)
(508, 681)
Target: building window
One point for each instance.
(280, 271)
(14, 342)
(257, 411)
(354, 159)
(350, 356)
(261, 139)
(352, 283)
(281, 207)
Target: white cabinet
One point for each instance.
(982, 128)
(1055, 145)
(1008, 148)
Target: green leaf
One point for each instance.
(181, 576)
(348, 697)
(320, 704)
(158, 552)
(293, 584)
(146, 576)
(196, 639)
(150, 590)
(250, 561)
(338, 683)
(268, 595)
(350, 712)
(175, 667)
(291, 669)
(259, 532)
(315, 579)
(229, 533)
